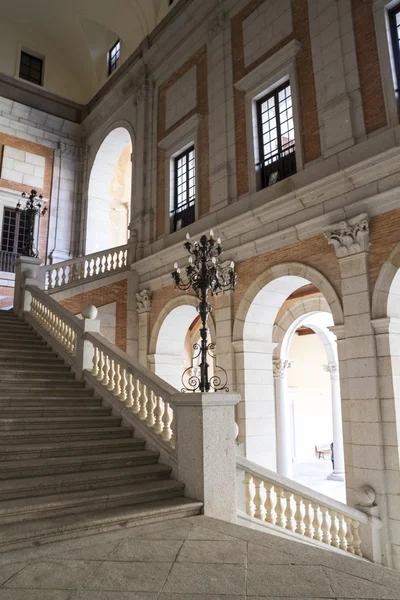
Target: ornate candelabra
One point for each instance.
(33, 207)
(205, 275)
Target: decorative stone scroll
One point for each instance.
(143, 302)
(280, 367)
(349, 237)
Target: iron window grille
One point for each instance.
(31, 68)
(277, 152)
(183, 211)
(15, 227)
(113, 57)
(394, 20)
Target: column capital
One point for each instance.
(143, 301)
(349, 237)
(280, 367)
(333, 369)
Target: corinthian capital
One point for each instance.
(143, 302)
(280, 367)
(349, 237)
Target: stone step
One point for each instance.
(46, 485)
(51, 366)
(55, 402)
(42, 531)
(47, 393)
(49, 374)
(13, 344)
(11, 412)
(62, 435)
(15, 360)
(38, 467)
(14, 452)
(55, 423)
(25, 509)
(6, 388)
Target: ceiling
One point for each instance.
(80, 31)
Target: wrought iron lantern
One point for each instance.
(32, 209)
(205, 275)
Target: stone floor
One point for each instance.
(194, 558)
(314, 475)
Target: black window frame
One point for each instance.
(285, 163)
(187, 213)
(395, 37)
(20, 228)
(30, 59)
(114, 60)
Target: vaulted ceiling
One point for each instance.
(78, 33)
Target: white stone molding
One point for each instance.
(143, 301)
(280, 367)
(349, 237)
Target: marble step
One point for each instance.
(47, 393)
(15, 360)
(25, 509)
(63, 435)
(33, 487)
(7, 387)
(39, 467)
(42, 531)
(10, 412)
(53, 373)
(41, 402)
(26, 354)
(81, 448)
(56, 423)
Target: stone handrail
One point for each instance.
(147, 395)
(285, 504)
(91, 266)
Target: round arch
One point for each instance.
(305, 306)
(386, 293)
(109, 191)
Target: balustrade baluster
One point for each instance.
(106, 378)
(259, 512)
(298, 515)
(166, 433)
(109, 263)
(325, 525)
(249, 492)
(308, 530)
(137, 397)
(342, 532)
(86, 269)
(289, 512)
(143, 403)
(158, 413)
(334, 529)
(103, 264)
(356, 535)
(349, 535)
(150, 419)
(270, 515)
(115, 260)
(123, 385)
(95, 369)
(280, 514)
(172, 428)
(111, 379)
(117, 380)
(100, 374)
(130, 390)
(316, 523)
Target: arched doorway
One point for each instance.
(109, 194)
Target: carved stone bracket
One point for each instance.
(349, 237)
(143, 302)
(280, 367)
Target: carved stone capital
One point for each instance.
(333, 369)
(143, 92)
(73, 152)
(349, 237)
(280, 367)
(143, 302)
(216, 25)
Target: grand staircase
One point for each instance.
(68, 466)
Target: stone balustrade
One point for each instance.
(287, 505)
(85, 268)
(146, 395)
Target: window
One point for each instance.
(31, 68)
(394, 19)
(183, 211)
(277, 157)
(12, 239)
(113, 57)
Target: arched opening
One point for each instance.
(256, 326)
(173, 340)
(109, 194)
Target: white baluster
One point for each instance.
(143, 403)
(150, 419)
(95, 369)
(349, 535)
(100, 374)
(298, 515)
(117, 380)
(259, 512)
(249, 489)
(137, 394)
(357, 540)
(325, 525)
(166, 433)
(172, 427)
(334, 529)
(158, 413)
(308, 530)
(280, 515)
(111, 380)
(270, 515)
(123, 386)
(316, 523)
(289, 513)
(106, 377)
(342, 532)
(130, 391)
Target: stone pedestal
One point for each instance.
(205, 443)
(27, 272)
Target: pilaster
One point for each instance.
(143, 307)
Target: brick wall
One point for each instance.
(8, 300)
(199, 61)
(116, 292)
(384, 235)
(368, 65)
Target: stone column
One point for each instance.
(206, 451)
(143, 307)
(338, 471)
(365, 434)
(224, 317)
(284, 451)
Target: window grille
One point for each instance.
(113, 57)
(183, 212)
(31, 68)
(277, 157)
(14, 231)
